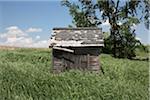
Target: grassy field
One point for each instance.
(25, 74)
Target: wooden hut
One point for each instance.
(76, 48)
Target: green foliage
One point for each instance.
(146, 14)
(122, 41)
(126, 42)
(25, 75)
(83, 15)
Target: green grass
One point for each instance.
(25, 74)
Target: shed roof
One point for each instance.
(77, 37)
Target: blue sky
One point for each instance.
(29, 23)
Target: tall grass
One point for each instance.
(25, 74)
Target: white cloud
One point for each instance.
(120, 23)
(42, 44)
(14, 30)
(15, 36)
(20, 42)
(26, 42)
(137, 38)
(3, 35)
(105, 26)
(11, 40)
(31, 30)
(106, 23)
(101, 12)
(37, 37)
(134, 26)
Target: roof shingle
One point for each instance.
(77, 37)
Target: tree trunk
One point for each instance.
(113, 42)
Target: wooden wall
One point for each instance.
(64, 60)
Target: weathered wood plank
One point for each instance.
(63, 60)
(64, 49)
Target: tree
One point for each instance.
(119, 13)
(84, 15)
(146, 10)
(121, 35)
(127, 41)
